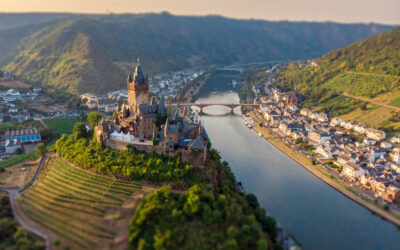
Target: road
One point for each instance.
(13, 193)
(41, 164)
(365, 99)
(370, 74)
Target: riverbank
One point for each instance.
(323, 175)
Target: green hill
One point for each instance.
(94, 52)
(347, 79)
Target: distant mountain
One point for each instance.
(95, 52)
(14, 20)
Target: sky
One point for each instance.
(347, 11)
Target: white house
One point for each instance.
(376, 134)
(13, 92)
(369, 141)
(318, 138)
(347, 124)
(335, 121)
(323, 117)
(385, 144)
(122, 137)
(352, 171)
(395, 139)
(342, 160)
(327, 152)
(395, 167)
(12, 145)
(376, 153)
(360, 128)
(304, 111)
(396, 158)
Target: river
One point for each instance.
(316, 214)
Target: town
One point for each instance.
(362, 156)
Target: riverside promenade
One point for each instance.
(322, 174)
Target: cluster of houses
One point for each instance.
(104, 104)
(364, 155)
(9, 99)
(13, 140)
(168, 85)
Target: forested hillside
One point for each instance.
(94, 52)
(363, 76)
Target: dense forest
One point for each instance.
(200, 220)
(82, 53)
(367, 68)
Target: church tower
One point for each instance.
(138, 89)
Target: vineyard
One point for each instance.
(78, 208)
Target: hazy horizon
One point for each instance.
(342, 11)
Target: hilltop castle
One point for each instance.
(145, 125)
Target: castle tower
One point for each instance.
(138, 89)
(101, 130)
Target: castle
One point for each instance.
(146, 125)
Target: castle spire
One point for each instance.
(138, 76)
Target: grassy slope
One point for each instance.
(369, 68)
(94, 53)
(62, 125)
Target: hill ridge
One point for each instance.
(166, 42)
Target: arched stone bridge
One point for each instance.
(231, 106)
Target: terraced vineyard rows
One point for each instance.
(78, 207)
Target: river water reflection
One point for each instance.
(316, 214)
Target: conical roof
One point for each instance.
(138, 76)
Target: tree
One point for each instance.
(94, 118)
(79, 130)
(47, 134)
(19, 151)
(252, 200)
(160, 120)
(82, 115)
(41, 149)
(115, 114)
(364, 106)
